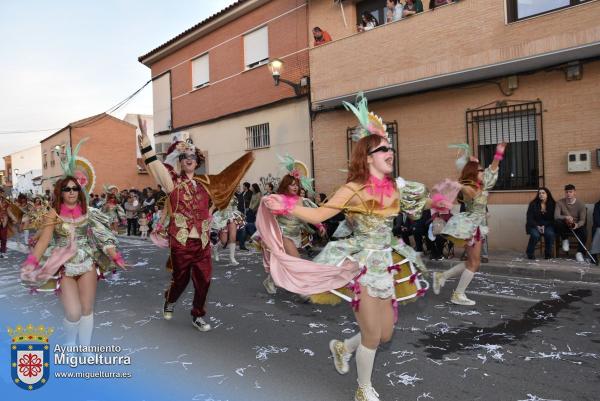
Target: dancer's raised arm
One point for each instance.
(156, 168)
(283, 205)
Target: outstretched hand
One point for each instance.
(501, 147)
(273, 203)
(143, 139)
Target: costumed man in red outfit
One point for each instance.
(190, 196)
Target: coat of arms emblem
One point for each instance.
(30, 355)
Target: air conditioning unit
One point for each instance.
(579, 161)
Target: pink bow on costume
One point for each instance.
(73, 213)
(383, 187)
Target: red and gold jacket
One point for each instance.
(190, 199)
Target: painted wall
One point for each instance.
(225, 140)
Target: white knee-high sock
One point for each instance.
(464, 281)
(231, 247)
(364, 364)
(71, 329)
(352, 343)
(454, 270)
(86, 327)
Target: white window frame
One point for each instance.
(256, 48)
(201, 71)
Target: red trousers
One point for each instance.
(190, 260)
(3, 238)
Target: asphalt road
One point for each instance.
(525, 339)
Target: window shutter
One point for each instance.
(518, 128)
(200, 71)
(256, 46)
(161, 94)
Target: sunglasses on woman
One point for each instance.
(70, 189)
(383, 149)
(188, 157)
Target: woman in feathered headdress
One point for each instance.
(468, 229)
(296, 233)
(370, 260)
(74, 247)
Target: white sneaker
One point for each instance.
(438, 282)
(366, 393)
(579, 257)
(459, 298)
(269, 285)
(340, 355)
(168, 309)
(200, 324)
(565, 245)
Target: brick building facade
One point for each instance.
(212, 81)
(438, 78)
(110, 147)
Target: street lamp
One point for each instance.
(276, 66)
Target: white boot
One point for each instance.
(71, 329)
(86, 328)
(438, 282)
(231, 247)
(269, 285)
(459, 298)
(565, 245)
(215, 252)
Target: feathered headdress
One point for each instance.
(298, 170)
(464, 154)
(370, 123)
(79, 167)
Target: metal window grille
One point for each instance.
(257, 136)
(392, 130)
(521, 126)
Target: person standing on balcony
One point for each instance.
(367, 22)
(469, 228)
(393, 11)
(320, 36)
(412, 7)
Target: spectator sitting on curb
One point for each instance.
(540, 222)
(570, 215)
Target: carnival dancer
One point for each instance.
(113, 209)
(468, 229)
(369, 259)
(226, 223)
(6, 219)
(74, 248)
(296, 233)
(189, 197)
(34, 219)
